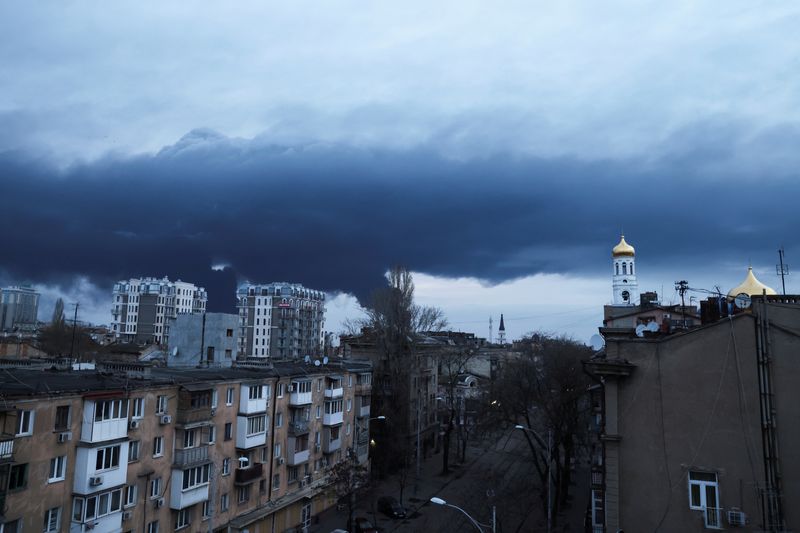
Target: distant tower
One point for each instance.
(624, 274)
(501, 331)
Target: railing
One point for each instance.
(190, 416)
(189, 456)
(248, 475)
(298, 427)
(6, 449)
(712, 517)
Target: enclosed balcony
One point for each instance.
(297, 451)
(333, 413)
(364, 384)
(194, 405)
(331, 440)
(298, 427)
(362, 406)
(189, 486)
(333, 387)
(6, 449)
(253, 398)
(100, 468)
(104, 419)
(300, 392)
(251, 431)
(191, 456)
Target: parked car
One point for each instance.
(390, 507)
(363, 525)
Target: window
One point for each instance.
(130, 495)
(133, 450)
(319, 411)
(262, 486)
(58, 466)
(278, 419)
(335, 432)
(256, 392)
(152, 527)
(110, 410)
(256, 425)
(264, 454)
(292, 474)
(138, 408)
(107, 458)
(347, 431)
(704, 496)
(194, 477)
(280, 390)
(24, 423)
(52, 519)
(161, 405)
(189, 438)
(229, 333)
(319, 384)
(349, 404)
(223, 502)
(229, 396)
(276, 482)
(277, 449)
(158, 446)
(243, 494)
(206, 512)
(155, 487)
(226, 466)
(182, 519)
(333, 407)
(62, 418)
(350, 380)
(228, 354)
(90, 508)
(212, 434)
(228, 430)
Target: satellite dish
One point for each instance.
(596, 342)
(316, 362)
(325, 360)
(175, 352)
(307, 359)
(640, 330)
(652, 326)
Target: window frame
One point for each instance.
(59, 463)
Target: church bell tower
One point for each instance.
(624, 274)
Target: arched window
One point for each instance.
(617, 265)
(631, 268)
(624, 268)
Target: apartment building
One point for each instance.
(133, 448)
(142, 307)
(280, 320)
(19, 308)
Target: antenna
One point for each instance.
(640, 329)
(781, 269)
(316, 362)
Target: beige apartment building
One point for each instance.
(158, 450)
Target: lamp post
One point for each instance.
(549, 470)
(439, 501)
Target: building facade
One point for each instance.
(203, 339)
(280, 320)
(19, 309)
(158, 450)
(142, 307)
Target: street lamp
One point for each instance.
(549, 469)
(439, 501)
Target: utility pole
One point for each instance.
(682, 286)
(782, 270)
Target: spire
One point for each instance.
(502, 324)
(501, 331)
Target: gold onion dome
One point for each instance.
(750, 286)
(623, 248)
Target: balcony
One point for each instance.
(298, 427)
(297, 398)
(333, 387)
(331, 445)
(243, 476)
(109, 523)
(89, 480)
(6, 449)
(332, 419)
(248, 406)
(299, 457)
(245, 441)
(363, 409)
(181, 499)
(190, 417)
(191, 456)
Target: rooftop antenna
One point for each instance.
(781, 269)
(74, 325)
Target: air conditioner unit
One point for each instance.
(281, 460)
(95, 481)
(166, 419)
(317, 447)
(127, 515)
(134, 424)
(213, 411)
(65, 436)
(736, 517)
(159, 503)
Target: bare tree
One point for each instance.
(545, 390)
(453, 363)
(350, 479)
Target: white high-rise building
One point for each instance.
(142, 307)
(280, 320)
(624, 283)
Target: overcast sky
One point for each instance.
(496, 149)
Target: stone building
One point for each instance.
(133, 448)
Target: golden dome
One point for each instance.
(623, 248)
(750, 286)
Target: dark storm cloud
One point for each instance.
(335, 218)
